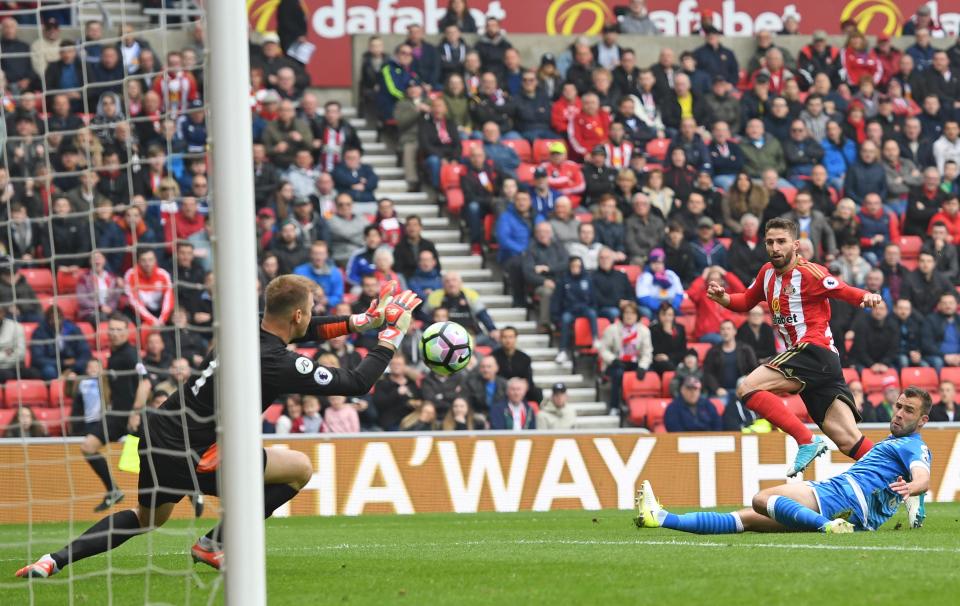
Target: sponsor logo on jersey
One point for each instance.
(303, 365)
(788, 319)
(322, 376)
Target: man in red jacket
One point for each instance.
(149, 290)
(183, 223)
(710, 316)
(590, 128)
(949, 215)
(563, 175)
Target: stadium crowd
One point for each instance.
(607, 194)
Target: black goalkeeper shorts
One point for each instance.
(166, 477)
(821, 377)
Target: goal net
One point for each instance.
(106, 284)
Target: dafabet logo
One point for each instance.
(865, 11)
(578, 16)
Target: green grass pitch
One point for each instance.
(566, 557)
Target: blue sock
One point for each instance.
(703, 522)
(794, 515)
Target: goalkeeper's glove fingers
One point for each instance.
(373, 317)
(405, 302)
(398, 327)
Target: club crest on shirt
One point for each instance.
(790, 290)
(775, 306)
(303, 365)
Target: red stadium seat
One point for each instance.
(488, 226)
(67, 282)
(924, 378)
(525, 173)
(454, 200)
(688, 322)
(581, 333)
(535, 406)
(28, 330)
(910, 247)
(850, 375)
(719, 404)
(52, 419)
(873, 381)
(656, 407)
(522, 147)
(8, 417)
(657, 149)
(26, 392)
(637, 410)
(307, 352)
(687, 306)
(790, 193)
(648, 387)
(482, 350)
(59, 396)
(87, 329)
(702, 349)
(797, 407)
(632, 271)
(725, 242)
(467, 144)
(450, 175)
(41, 280)
(101, 354)
(272, 413)
(950, 373)
(666, 379)
(68, 305)
(541, 151)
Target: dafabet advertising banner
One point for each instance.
(330, 23)
(457, 473)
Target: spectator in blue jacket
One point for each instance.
(515, 413)
(394, 78)
(691, 410)
(725, 156)
(321, 270)
(940, 334)
(922, 50)
(426, 278)
(504, 158)
(838, 154)
(658, 285)
(574, 298)
(193, 128)
(514, 228)
(533, 109)
(426, 59)
(354, 177)
(58, 345)
(543, 197)
(866, 175)
(707, 250)
(714, 58)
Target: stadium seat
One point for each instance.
(28, 329)
(702, 349)
(633, 387)
(525, 173)
(873, 381)
(725, 242)
(101, 354)
(632, 271)
(67, 282)
(665, 383)
(59, 396)
(7, 418)
(924, 378)
(950, 373)
(910, 247)
(790, 193)
(850, 375)
(797, 407)
(488, 232)
(307, 352)
(26, 392)
(688, 322)
(454, 200)
(720, 404)
(687, 306)
(522, 147)
(541, 151)
(68, 305)
(87, 329)
(657, 149)
(636, 411)
(656, 407)
(41, 280)
(52, 419)
(581, 333)
(482, 350)
(272, 413)
(450, 175)
(467, 144)
(535, 406)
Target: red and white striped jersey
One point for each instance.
(798, 301)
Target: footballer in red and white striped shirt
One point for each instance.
(797, 293)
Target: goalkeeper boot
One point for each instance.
(916, 512)
(648, 508)
(41, 569)
(806, 454)
(207, 552)
(838, 526)
(109, 500)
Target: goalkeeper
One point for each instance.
(862, 498)
(178, 446)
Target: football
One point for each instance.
(446, 347)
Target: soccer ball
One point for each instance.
(446, 347)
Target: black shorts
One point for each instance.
(110, 428)
(167, 478)
(821, 377)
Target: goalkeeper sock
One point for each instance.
(274, 495)
(794, 515)
(100, 467)
(703, 522)
(771, 408)
(109, 533)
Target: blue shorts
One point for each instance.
(837, 498)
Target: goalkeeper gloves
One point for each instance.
(398, 315)
(374, 316)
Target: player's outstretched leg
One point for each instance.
(109, 533)
(286, 472)
(757, 392)
(650, 514)
(841, 426)
(795, 507)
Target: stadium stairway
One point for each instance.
(455, 254)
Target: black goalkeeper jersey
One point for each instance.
(188, 419)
